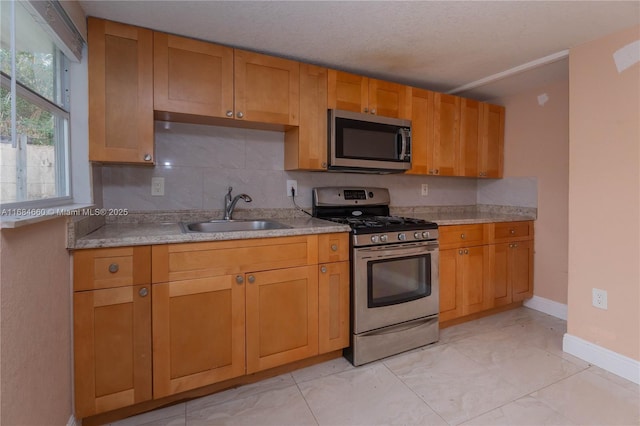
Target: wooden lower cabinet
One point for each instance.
(496, 271)
(282, 316)
(198, 333)
(333, 306)
(112, 347)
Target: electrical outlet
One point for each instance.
(599, 298)
(292, 184)
(157, 186)
(425, 189)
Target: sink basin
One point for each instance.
(232, 225)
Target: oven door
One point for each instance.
(394, 283)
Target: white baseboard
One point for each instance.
(613, 362)
(548, 306)
(73, 421)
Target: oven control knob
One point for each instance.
(402, 236)
(417, 235)
(383, 238)
(425, 234)
(374, 238)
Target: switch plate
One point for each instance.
(425, 190)
(292, 184)
(157, 186)
(599, 298)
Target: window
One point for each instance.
(34, 114)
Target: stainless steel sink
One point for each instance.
(231, 225)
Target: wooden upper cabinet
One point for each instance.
(421, 131)
(306, 145)
(120, 93)
(491, 155)
(266, 88)
(446, 135)
(349, 92)
(470, 132)
(192, 77)
(352, 92)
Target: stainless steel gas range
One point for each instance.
(394, 272)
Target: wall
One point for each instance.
(35, 325)
(537, 154)
(200, 162)
(604, 195)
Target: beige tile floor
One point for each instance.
(506, 369)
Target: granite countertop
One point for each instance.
(135, 234)
(146, 228)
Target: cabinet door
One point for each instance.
(333, 306)
(475, 286)
(192, 77)
(112, 347)
(389, 99)
(306, 145)
(282, 317)
(470, 130)
(450, 285)
(421, 131)
(501, 274)
(198, 333)
(349, 92)
(120, 93)
(522, 270)
(95, 269)
(266, 88)
(492, 141)
(446, 137)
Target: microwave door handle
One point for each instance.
(403, 150)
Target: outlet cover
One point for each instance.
(292, 184)
(157, 186)
(599, 298)
(425, 190)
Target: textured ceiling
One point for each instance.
(439, 45)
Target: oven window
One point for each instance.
(393, 281)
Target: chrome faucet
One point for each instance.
(230, 203)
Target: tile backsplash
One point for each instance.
(199, 162)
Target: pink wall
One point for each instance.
(604, 195)
(35, 319)
(537, 144)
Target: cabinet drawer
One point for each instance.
(175, 262)
(111, 267)
(333, 247)
(513, 231)
(454, 236)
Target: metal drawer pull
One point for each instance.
(462, 236)
(239, 279)
(466, 252)
(323, 269)
(334, 247)
(513, 231)
(460, 251)
(113, 268)
(143, 292)
(252, 279)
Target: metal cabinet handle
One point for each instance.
(462, 236)
(114, 267)
(147, 157)
(437, 171)
(143, 292)
(239, 115)
(515, 245)
(373, 111)
(460, 251)
(323, 269)
(229, 113)
(430, 171)
(466, 252)
(512, 231)
(366, 109)
(334, 247)
(324, 165)
(251, 279)
(239, 279)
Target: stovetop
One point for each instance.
(376, 224)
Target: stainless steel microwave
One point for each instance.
(368, 143)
